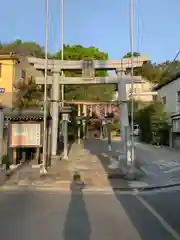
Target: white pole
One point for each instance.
(132, 82)
(62, 47)
(43, 170)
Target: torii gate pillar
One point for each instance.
(124, 120)
(55, 111)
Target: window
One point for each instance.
(178, 96)
(164, 100)
(23, 74)
(0, 69)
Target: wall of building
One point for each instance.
(6, 79)
(142, 91)
(170, 91)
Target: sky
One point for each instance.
(101, 23)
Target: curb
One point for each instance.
(147, 188)
(88, 190)
(55, 189)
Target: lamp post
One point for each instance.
(108, 125)
(103, 128)
(84, 120)
(65, 120)
(79, 129)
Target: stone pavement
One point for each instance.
(60, 174)
(158, 167)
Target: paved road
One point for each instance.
(155, 215)
(160, 165)
(46, 215)
(29, 214)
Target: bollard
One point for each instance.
(109, 136)
(79, 131)
(84, 128)
(65, 120)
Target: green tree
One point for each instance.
(20, 47)
(153, 123)
(27, 95)
(129, 54)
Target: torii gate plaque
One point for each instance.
(57, 66)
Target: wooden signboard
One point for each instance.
(25, 135)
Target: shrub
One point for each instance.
(153, 124)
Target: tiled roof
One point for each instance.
(24, 115)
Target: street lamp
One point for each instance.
(84, 121)
(103, 128)
(65, 120)
(109, 118)
(78, 119)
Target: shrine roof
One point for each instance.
(25, 115)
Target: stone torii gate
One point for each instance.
(88, 68)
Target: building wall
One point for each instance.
(12, 71)
(142, 91)
(6, 80)
(170, 92)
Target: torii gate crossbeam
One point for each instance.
(89, 81)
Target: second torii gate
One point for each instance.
(88, 68)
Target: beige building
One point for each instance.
(141, 91)
(14, 68)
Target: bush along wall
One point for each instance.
(153, 124)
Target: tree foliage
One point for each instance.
(129, 55)
(153, 123)
(153, 72)
(27, 95)
(22, 48)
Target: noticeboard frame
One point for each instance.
(25, 146)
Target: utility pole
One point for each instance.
(132, 73)
(43, 169)
(62, 48)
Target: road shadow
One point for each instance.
(77, 224)
(119, 177)
(99, 148)
(146, 224)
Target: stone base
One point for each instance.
(132, 173)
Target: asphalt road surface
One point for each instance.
(160, 165)
(31, 215)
